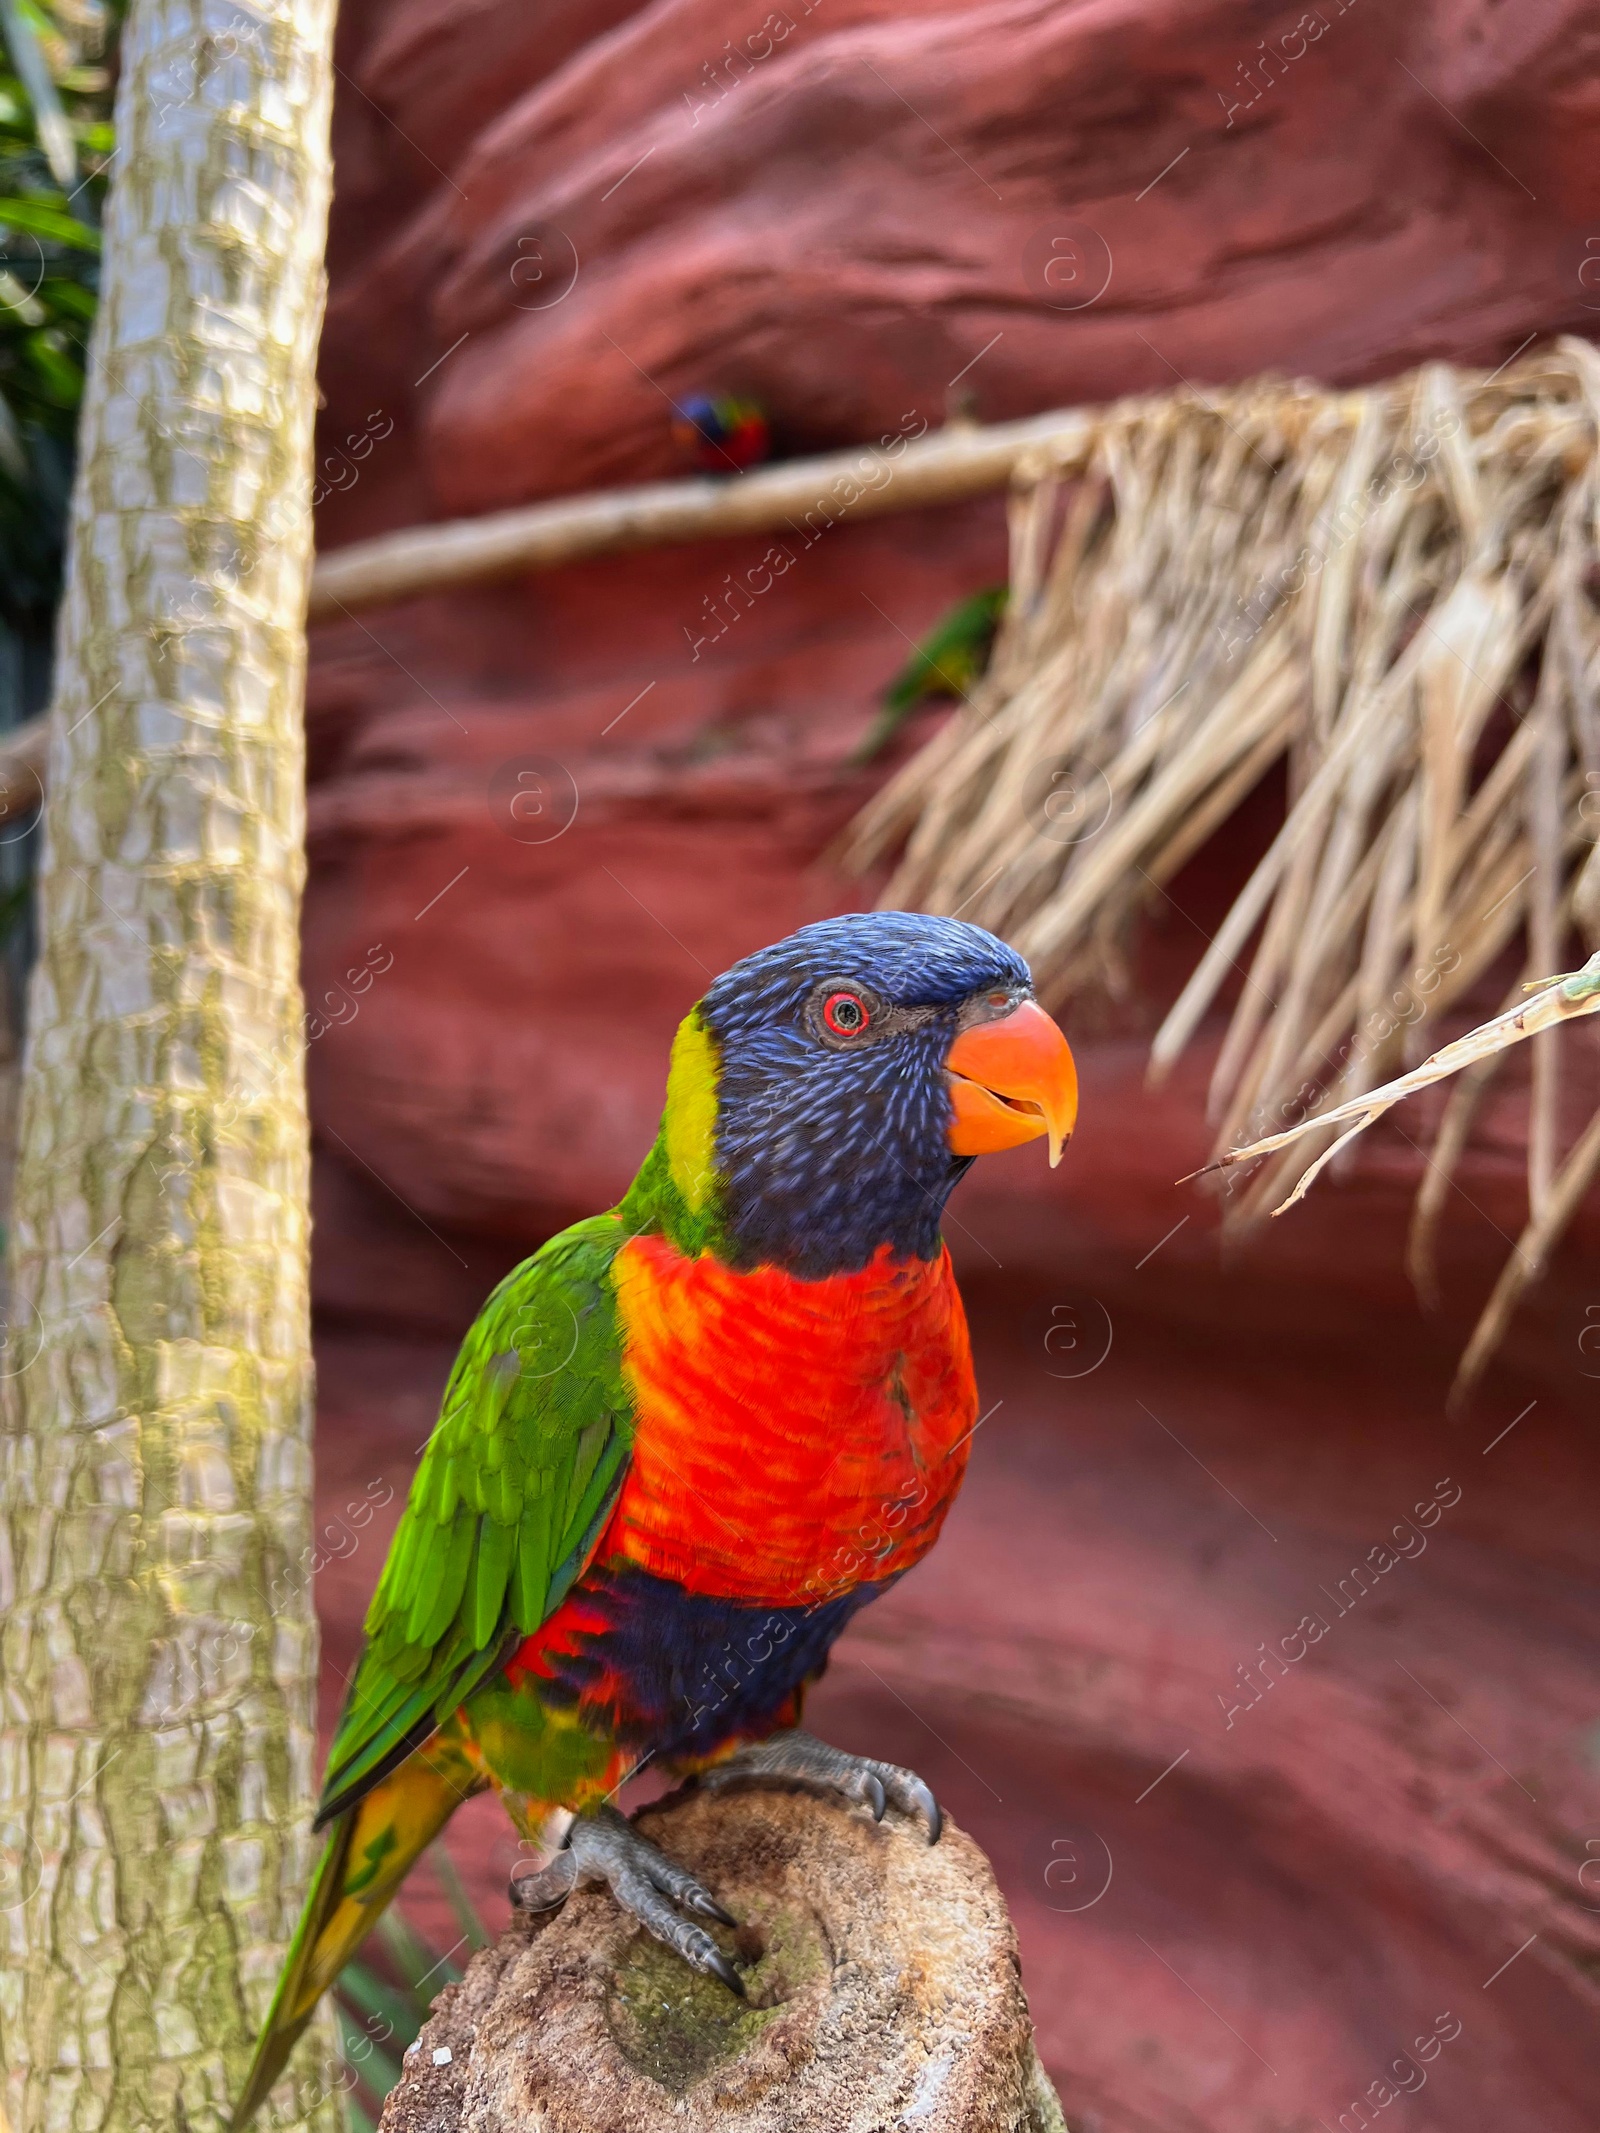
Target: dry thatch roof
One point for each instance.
(1392, 590)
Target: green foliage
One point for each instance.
(55, 151)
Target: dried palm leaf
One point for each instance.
(1389, 593)
(1475, 1056)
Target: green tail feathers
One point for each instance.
(507, 1506)
(371, 1848)
(295, 2000)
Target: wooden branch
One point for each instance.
(883, 1983)
(898, 474)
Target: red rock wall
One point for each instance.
(549, 223)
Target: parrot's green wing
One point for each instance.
(516, 1483)
(945, 663)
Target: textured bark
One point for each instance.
(159, 1644)
(883, 1980)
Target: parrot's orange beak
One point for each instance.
(1011, 1080)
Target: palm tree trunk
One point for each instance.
(160, 1649)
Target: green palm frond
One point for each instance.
(27, 31)
(55, 150)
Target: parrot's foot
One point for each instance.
(805, 1760)
(603, 1845)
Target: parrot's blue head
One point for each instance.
(828, 1091)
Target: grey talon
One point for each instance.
(804, 1760)
(720, 1967)
(924, 1805)
(653, 1889)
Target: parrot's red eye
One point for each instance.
(845, 1014)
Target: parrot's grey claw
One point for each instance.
(927, 1807)
(804, 1760)
(720, 1967)
(603, 1845)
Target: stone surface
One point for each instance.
(1306, 1889)
(843, 214)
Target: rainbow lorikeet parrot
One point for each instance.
(725, 434)
(716, 1421)
(947, 662)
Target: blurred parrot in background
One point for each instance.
(726, 435)
(715, 1421)
(947, 662)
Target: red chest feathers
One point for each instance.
(795, 1438)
